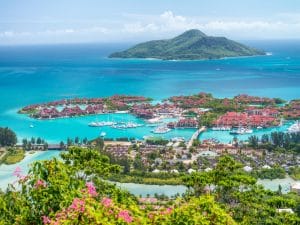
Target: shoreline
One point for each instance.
(188, 60)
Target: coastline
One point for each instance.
(6, 171)
(189, 60)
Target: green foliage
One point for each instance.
(192, 44)
(200, 211)
(277, 141)
(72, 191)
(157, 141)
(236, 190)
(272, 173)
(7, 137)
(148, 178)
(294, 172)
(13, 156)
(208, 118)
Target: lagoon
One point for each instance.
(226, 137)
(6, 171)
(36, 74)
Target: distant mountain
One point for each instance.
(191, 45)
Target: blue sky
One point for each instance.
(66, 21)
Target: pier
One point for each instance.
(195, 136)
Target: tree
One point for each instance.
(76, 140)
(253, 141)
(99, 143)
(62, 145)
(199, 182)
(265, 138)
(7, 137)
(24, 143)
(85, 141)
(32, 140)
(69, 141)
(138, 163)
(38, 140)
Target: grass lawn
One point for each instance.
(14, 156)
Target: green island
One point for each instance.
(191, 45)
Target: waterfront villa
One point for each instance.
(252, 118)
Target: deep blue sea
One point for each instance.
(35, 74)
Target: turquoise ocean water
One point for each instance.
(35, 74)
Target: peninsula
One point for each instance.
(191, 45)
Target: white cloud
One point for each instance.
(144, 27)
(139, 27)
(235, 27)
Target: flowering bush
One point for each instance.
(72, 191)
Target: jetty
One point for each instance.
(195, 136)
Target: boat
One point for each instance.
(241, 130)
(122, 112)
(178, 139)
(126, 125)
(31, 126)
(259, 127)
(102, 134)
(223, 128)
(248, 131)
(101, 124)
(295, 128)
(161, 130)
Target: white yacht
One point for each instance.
(223, 128)
(295, 128)
(126, 125)
(161, 130)
(241, 130)
(101, 124)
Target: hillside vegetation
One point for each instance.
(191, 45)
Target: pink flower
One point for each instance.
(17, 171)
(46, 220)
(152, 200)
(107, 202)
(91, 189)
(40, 183)
(124, 215)
(78, 205)
(167, 211)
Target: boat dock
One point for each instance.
(195, 136)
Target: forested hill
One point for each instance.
(191, 45)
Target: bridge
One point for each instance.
(195, 136)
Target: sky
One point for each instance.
(80, 21)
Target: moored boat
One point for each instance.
(161, 130)
(241, 130)
(295, 128)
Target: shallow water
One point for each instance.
(226, 137)
(6, 171)
(35, 74)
